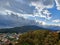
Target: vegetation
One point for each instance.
(39, 37)
(20, 29)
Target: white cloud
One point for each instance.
(41, 8)
(56, 21)
(58, 4)
(55, 25)
(43, 3)
(40, 22)
(7, 12)
(47, 14)
(43, 14)
(2, 13)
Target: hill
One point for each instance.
(39, 37)
(20, 29)
(26, 29)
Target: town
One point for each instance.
(9, 38)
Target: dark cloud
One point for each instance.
(48, 2)
(16, 6)
(14, 20)
(44, 2)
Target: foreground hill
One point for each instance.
(39, 37)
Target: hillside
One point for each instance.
(20, 29)
(39, 37)
(24, 29)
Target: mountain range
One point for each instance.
(25, 29)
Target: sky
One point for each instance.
(33, 12)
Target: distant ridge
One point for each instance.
(23, 29)
(20, 29)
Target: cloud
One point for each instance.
(26, 6)
(14, 20)
(58, 4)
(47, 14)
(25, 12)
(40, 22)
(56, 21)
(43, 14)
(41, 8)
(55, 25)
(43, 3)
(15, 6)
